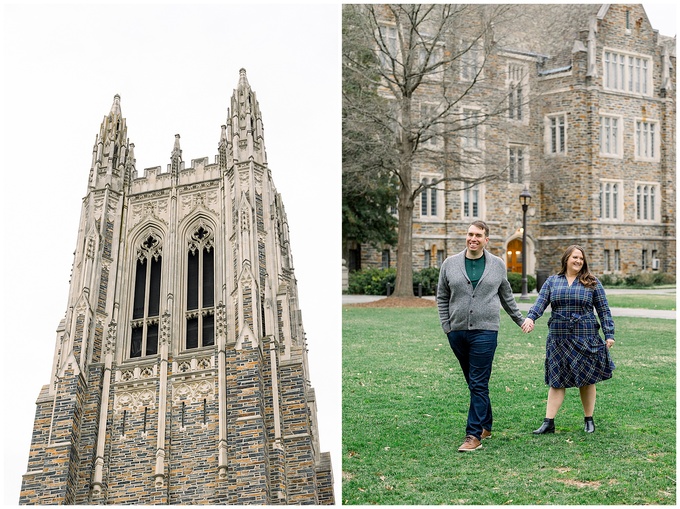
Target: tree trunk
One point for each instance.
(403, 286)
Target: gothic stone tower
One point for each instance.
(180, 373)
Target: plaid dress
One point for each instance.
(576, 354)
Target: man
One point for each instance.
(471, 286)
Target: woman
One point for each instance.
(576, 356)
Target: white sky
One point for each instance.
(175, 67)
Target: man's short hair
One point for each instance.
(481, 225)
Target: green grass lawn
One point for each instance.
(639, 301)
(650, 301)
(405, 407)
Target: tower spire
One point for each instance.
(245, 124)
(115, 107)
(110, 152)
(176, 157)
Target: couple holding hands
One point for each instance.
(472, 283)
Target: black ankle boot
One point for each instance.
(548, 426)
(589, 425)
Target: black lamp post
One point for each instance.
(524, 199)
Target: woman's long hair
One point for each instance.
(586, 277)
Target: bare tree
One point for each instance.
(425, 53)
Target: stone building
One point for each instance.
(589, 130)
(180, 371)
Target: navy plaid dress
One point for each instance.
(576, 354)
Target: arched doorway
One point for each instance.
(514, 256)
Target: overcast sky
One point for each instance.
(175, 68)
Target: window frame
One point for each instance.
(520, 164)
(199, 244)
(614, 133)
(149, 255)
(428, 111)
(471, 67)
(627, 72)
(611, 200)
(647, 205)
(477, 189)
(472, 138)
(430, 196)
(517, 84)
(559, 141)
(653, 144)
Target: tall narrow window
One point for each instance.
(470, 58)
(428, 198)
(516, 165)
(471, 202)
(433, 199)
(516, 76)
(607, 266)
(146, 298)
(610, 199)
(609, 136)
(389, 46)
(556, 135)
(647, 202)
(617, 259)
(385, 264)
(200, 297)
(645, 140)
(471, 132)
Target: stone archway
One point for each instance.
(513, 255)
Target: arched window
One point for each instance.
(146, 300)
(200, 297)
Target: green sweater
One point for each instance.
(462, 307)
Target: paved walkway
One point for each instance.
(524, 306)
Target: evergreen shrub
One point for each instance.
(515, 279)
(371, 281)
(428, 278)
(374, 281)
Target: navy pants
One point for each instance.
(474, 350)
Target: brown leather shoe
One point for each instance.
(485, 434)
(471, 444)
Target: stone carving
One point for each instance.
(193, 392)
(134, 399)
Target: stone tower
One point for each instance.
(180, 373)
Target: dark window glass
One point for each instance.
(192, 332)
(208, 278)
(136, 344)
(155, 287)
(140, 287)
(152, 339)
(208, 330)
(192, 281)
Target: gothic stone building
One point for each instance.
(589, 130)
(180, 373)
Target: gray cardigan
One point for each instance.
(462, 308)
